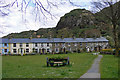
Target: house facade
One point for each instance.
(51, 45)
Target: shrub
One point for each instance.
(84, 49)
(24, 54)
(74, 51)
(9, 52)
(109, 51)
(78, 51)
(68, 52)
(57, 57)
(51, 61)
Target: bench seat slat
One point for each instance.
(58, 62)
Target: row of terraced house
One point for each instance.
(51, 45)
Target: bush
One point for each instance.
(108, 51)
(24, 54)
(51, 61)
(61, 53)
(57, 57)
(74, 51)
(68, 52)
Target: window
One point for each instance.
(91, 44)
(5, 50)
(27, 44)
(80, 44)
(36, 50)
(27, 50)
(48, 50)
(75, 44)
(41, 44)
(56, 44)
(56, 50)
(86, 44)
(5, 44)
(68, 44)
(47, 44)
(14, 44)
(20, 44)
(14, 51)
(63, 44)
(36, 45)
(69, 49)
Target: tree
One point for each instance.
(40, 6)
(111, 12)
(23, 5)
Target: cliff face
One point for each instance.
(76, 18)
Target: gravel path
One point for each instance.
(93, 72)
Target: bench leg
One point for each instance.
(47, 64)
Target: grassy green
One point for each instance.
(109, 66)
(35, 66)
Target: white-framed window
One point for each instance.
(68, 44)
(14, 51)
(47, 44)
(56, 49)
(14, 44)
(56, 44)
(5, 44)
(91, 43)
(27, 44)
(96, 43)
(5, 50)
(36, 50)
(63, 44)
(48, 50)
(36, 44)
(21, 44)
(75, 44)
(86, 44)
(69, 49)
(27, 50)
(41, 44)
(80, 44)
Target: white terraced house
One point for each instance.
(51, 45)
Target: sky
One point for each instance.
(14, 20)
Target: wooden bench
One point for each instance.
(58, 62)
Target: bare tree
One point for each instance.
(40, 6)
(111, 12)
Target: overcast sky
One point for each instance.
(14, 22)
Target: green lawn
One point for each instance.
(109, 66)
(35, 66)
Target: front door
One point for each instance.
(21, 51)
(43, 51)
(64, 49)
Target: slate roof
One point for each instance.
(46, 40)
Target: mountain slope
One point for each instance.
(78, 22)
